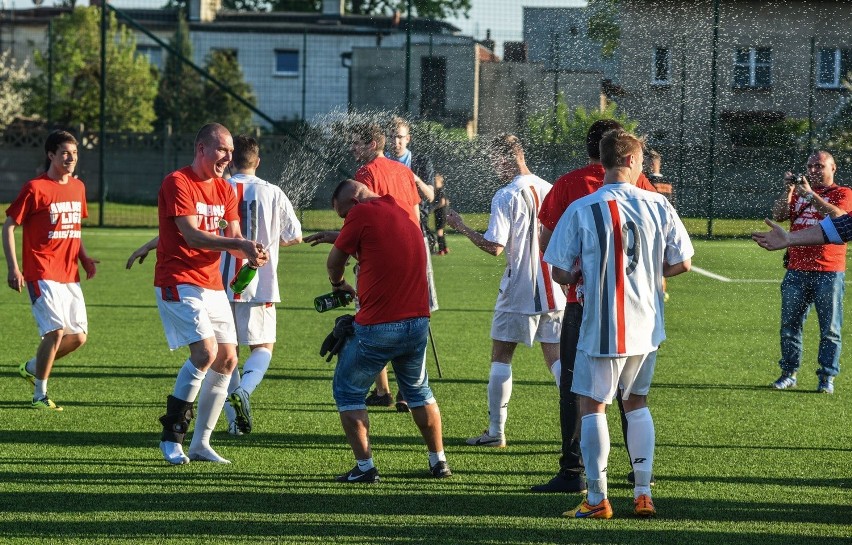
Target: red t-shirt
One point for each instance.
(570, 187)
(385, 176)
(391, 261)
(51, 214)
(825, 257)
(185, 194)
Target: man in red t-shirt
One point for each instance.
(392, 323)
(50, 208)
(567, 189)
(815, 274)
(195, 204)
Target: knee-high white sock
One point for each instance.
(594, 444)
(230, 413)
(188, 382)
(499, 392)
(214, 390)
(556, 371)
(254, 369)
(640, 443)
(31, 366)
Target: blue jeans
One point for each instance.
(825, 291)
(363, 356)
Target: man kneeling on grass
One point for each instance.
(392, 323)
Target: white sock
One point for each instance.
(230, 413)
(188, 382)
(640, 444)
(594, 444)
(40, 389)
(556, 371)
(499, 392)
(214, 390)
(435, 457)
(366, 465)
(254, 369)
(31, 366)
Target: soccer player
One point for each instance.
(50, 208)
(623, 240)
(267, 217)
(195, 204)
(529, 304)
(392, 323)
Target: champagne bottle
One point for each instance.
(332, 300)
(243, 278)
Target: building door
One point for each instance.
(433, 86)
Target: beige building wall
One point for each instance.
(686, 28)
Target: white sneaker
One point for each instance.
(173, 453)
(233, 429)
(207, 454)
(486, 440)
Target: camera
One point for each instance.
(796, 179)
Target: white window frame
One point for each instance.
(276, 72)
(752, 66)
(668, 60)
(837, 82)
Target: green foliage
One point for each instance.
(180, 96)
(786, 133)
(603, 25)
(438, 131)
(130, 82)
(14, 92)
(221, 106)
(565, 126)
(434, 9)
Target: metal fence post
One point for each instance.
(102, 135)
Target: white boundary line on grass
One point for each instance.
(708, 274)
(720, 278)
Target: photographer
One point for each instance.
(815, 274)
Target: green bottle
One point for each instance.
(243, 278)
(332, 300)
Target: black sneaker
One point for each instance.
(401, 404)
(631, 478)
(357, 476)
(375, 400)
(441, 470)
(571, 484)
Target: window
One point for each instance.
(832, 64)
(286, 62)
(753, 68)
(153, 53)
(661, 67)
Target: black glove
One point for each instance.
(343, 329)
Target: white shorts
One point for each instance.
(600, 378)
(58, 305)
(194, 314)
(256, 323)
(514, 327)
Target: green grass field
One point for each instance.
(736, 462)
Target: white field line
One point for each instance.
(720, 278)
(708, 274)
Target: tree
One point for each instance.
(13, 91)
(603, 25)
(130, 82)
(221, 106)
(564, 126)
(435, 9)
(180, 97)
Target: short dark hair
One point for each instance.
(206, 133)
(246, 152)
(507, 146)
(339, 189)
(370, 132)
(618, 144)
(596, 132)
(52, 143)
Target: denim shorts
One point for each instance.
(363, 357)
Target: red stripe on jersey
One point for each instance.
(618, 251)
(238, 263)
(545, 270)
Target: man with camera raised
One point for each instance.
(815, 274)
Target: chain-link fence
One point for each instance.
(730, 93)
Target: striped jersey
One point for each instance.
(268, 217)
(622, 236)
(527, 286)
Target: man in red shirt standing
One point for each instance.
(195, 204)
(567, 189)
(392, 323)
(50, 208)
